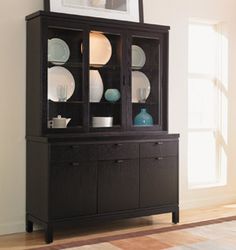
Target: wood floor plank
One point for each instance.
(178, 238)
(24, 241)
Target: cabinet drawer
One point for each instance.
(118, 151)
(73, 153)
(168, 163)
(159, 148)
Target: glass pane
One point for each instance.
(145, 93)
(201, 104)
(202, 49)
(105, 80)
(202, 165)
(65, 79)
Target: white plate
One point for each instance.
(139, 80)
(58, 51)
(100, 49)
(57, 77)
(96, 87)
(138, 56)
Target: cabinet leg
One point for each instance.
(29, 226)
(175, 217)
(49, 234)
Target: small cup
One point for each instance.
(62, 93)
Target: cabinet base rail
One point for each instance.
(49, 226)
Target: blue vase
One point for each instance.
(143, 119)
(112, 95)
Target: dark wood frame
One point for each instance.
(141, 14)
(61, 151)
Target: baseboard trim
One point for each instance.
(11, 228)
(208, 202)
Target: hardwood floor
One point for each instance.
(36, 239)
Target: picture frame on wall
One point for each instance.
(125, 10)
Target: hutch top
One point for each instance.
(84, 68)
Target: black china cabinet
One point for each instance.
(98, 146)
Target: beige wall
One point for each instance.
(175, 13)
(12, 110)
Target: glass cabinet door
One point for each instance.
(65, 83)
(144, 97)
(105, 81)
(87, 81)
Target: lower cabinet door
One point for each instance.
(158, 181)
(118, 185)
(73, 189)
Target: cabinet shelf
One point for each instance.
(107, 66)
(145, 68)
(65, 129)
(106, 128)
(68, 102)
(71, 64)
(133, 68)
(105, 103)
(143, 104)
(67, 64)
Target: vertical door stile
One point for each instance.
(86, 78)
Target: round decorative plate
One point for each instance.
(138, 56)
(139, 81)
(100, 49)
(58, 51)
(96, 87)
(59, 76)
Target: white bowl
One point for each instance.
(102, 122)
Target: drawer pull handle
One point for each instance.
(159, 158)
(118, 144)
(74, 164)
(119, 161)
(75, 147)
(159, 143)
